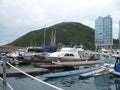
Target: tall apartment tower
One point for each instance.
(103, 32)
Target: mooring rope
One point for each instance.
(7, 84)
(35, 78)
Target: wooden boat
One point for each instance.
(81, 70)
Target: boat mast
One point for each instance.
(53, 38)
(51, 41)
(44, 35)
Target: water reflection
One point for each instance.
(117, 84)
(72, 82)
(102, 82)
(67, 81)
(116, 81)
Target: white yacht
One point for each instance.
(68, 53)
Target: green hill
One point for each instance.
(65, 32)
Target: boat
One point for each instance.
(104, 69)
(96, 72)
(32, 52)
(105, 52)
(82, 69)
(68, 56)
(116, 69)
(70, 53)
(116, 53)
(15, 54)
(80, 62)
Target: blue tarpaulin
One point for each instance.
(50, 49)
(117, 64)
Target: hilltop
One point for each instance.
(65, 32)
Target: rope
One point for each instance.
(7, 84)
(35, 78)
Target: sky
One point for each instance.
(18, 17)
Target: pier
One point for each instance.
(25, 71)
(13, 72)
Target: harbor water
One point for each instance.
(103, 82)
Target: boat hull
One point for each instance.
(114, 72)
(73, 72)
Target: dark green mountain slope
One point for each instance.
(65, 32)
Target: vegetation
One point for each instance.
(65, 32)
(116, 41)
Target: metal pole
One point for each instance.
(4, 72)
(44, 35)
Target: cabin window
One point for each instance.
(69, 55)
(66, 55)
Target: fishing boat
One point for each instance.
(82, 69)
(116, 69)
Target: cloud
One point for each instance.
(17, 17)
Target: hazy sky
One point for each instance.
(18, 17)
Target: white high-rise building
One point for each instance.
(103, 32)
